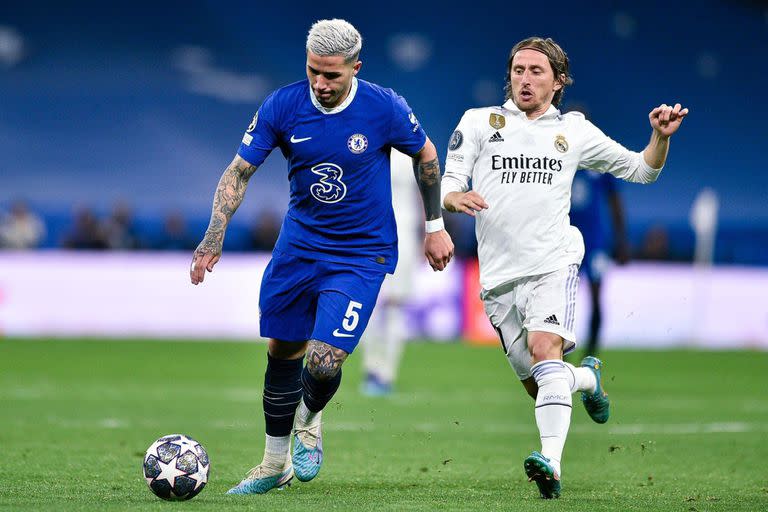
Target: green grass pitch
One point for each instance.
(688, 431)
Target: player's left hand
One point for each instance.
(438, 247)
(665, 120)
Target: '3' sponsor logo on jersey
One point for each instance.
(330, 188)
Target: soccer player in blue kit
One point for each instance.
(338, 239)
(589, 194)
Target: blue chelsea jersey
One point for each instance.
(338, 166)
(589, 195)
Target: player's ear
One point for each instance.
(356, 67)
(559, 82)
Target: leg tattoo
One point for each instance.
(324, 361)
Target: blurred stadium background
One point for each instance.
(118, 119)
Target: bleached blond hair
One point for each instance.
(335, 37)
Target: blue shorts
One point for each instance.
(303, 299)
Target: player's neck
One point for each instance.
(536, 113)
(342, 98)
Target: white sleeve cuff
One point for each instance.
(450, 184)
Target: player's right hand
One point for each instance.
(205, 257)
(665, 120)
(438, 248)
(466, 202)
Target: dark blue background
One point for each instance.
(99, 111)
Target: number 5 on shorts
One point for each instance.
(351, 317)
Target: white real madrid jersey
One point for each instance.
(524, 169)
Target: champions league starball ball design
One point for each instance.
(176, 467)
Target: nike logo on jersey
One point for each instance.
(341, 334)
(295, 140)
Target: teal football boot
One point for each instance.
(307, 451)
(259, 481)
(539, 470)
(597, 404)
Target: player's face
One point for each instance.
(330, 77)
(533, 82)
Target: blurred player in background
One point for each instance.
(590, 192)
(387, 333)
(337, 242)
(521, 158)
(21, 228)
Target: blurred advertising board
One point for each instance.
(146, 294)
(97, 294)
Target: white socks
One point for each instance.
(305, 417)
(277, 449)
(276, 452)
(553, 407)
(580, 379)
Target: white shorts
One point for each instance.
(544, 302)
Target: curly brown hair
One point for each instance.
(557, 59)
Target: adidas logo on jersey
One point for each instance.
(551, 319)
(496, 137)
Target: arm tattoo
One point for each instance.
(323, 360)
(428, 177)
(229, 194)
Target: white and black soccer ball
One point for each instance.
(176, 467)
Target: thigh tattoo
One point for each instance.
(323, 360)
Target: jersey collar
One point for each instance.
(344, 104)
(551, 111)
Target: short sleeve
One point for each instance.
(405, 134)
(261, 137)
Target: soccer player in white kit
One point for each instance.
(521, 158)
(387, 332)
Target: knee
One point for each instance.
(544, 346)
(324, 361)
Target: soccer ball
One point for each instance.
(176, 467)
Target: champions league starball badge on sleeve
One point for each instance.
(456, 139)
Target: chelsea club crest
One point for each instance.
(357, 143)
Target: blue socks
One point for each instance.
(282, 393)
(318, 393)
